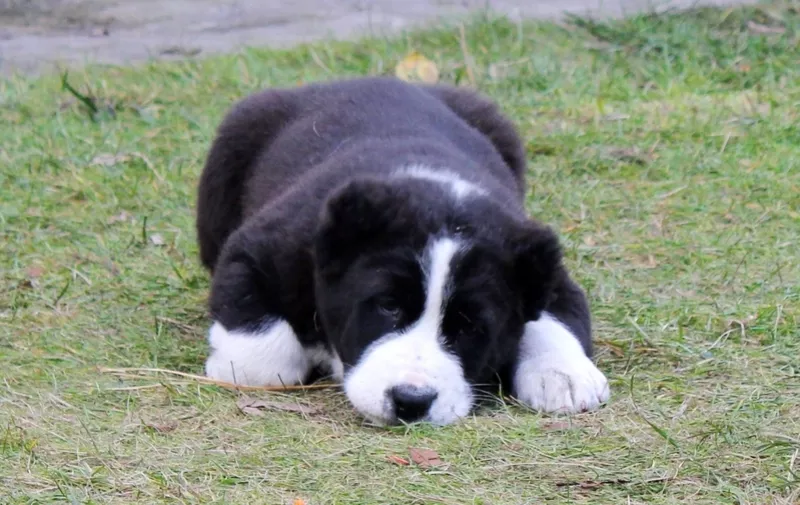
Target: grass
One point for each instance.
(665, 149)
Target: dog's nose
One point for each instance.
(411, 402)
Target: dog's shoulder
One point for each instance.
(485, 115)
(245, 131)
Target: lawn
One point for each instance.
(664, 149)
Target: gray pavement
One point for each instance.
(41, 35)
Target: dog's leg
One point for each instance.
(554, 371)
(254, 339)
(270, 356)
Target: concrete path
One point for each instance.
(37, 35)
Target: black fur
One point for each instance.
(299, 218)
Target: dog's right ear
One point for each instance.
(357, 215)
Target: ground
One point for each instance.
(38, 35)
(665, 151)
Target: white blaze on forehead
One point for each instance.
(415, 356)
(438, 276)
(452, 181)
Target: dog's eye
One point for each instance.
(389, 306)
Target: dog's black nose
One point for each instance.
(411, 402)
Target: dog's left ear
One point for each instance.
(537, 267)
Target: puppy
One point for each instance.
(375, 230)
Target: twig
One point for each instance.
(132, 373)
(593, 484)
(137, 388)
(468, 61)
(88, 101)
(183, 326)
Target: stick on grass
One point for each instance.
(141, 373)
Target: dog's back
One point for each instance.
(276, 140)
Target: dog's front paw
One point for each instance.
(270, 357)
(553, 384)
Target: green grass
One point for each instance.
(666, 151)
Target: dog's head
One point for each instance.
(424, 295)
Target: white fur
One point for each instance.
(415, 356)
(553, 373)
(336, 366)
(460, 188)
(271, 357)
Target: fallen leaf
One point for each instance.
(35, 272)
(416, 67)
(616, 117)
(765, 29)
(111, 266)
(256, 407)
(28, 284)
(162, 427)
(426, 458)
(299, 501)
(557, 426)
(627, 154)
(743, 323)
(397, 460)
(122, 216)
(109, 160)
(157, 239)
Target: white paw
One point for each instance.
(273, 357)
(553, 385)
(554, 374)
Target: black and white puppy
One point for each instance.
(375, 229)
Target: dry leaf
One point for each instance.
(109, 160)
(111, 266)
(765, 29)
(157, 239)
(256, 407)
(627, 155)
(743, 323)
(122, 216)
(35, 272)
(425, 458)
(416, 67)
(162, 427)
(397, 460)
(557, 426)
(299, 501)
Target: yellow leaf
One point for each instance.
(416, 67)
